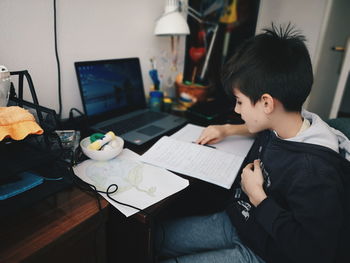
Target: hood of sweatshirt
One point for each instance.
(320, 133)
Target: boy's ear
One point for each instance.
(268, 103)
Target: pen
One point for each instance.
(154, 74)
(211, 146)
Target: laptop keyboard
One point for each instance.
(134, 122)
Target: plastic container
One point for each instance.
(167, 103)
(156, 100)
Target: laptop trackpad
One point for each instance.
(150, 130)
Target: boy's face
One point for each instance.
(253, 115)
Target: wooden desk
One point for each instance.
(67, 227)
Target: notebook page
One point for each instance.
(236, 144)
(198, 161)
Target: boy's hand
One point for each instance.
(212, 134)
(252, 183)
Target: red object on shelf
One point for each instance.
(197, 53)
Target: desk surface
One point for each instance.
(30, 231)
(57, 218)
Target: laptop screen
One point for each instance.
(110, 86)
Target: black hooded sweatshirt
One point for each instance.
(303, 218)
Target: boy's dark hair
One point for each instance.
(276, 62)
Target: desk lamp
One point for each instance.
(172, 23)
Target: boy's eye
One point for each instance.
(238, 102)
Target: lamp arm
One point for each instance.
(196, 13)
(190, 11)
(209, 52)
(195, 17)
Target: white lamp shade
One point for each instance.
(171, 23)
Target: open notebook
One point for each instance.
(217, 164)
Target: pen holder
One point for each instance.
(199, 92)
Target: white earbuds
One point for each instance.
(110, 146)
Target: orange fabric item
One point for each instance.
(17, 123)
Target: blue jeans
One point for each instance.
(202, 239)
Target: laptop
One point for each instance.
(113, 98)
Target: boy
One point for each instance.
(288, 203)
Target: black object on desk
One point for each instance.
(39, 154)
(19, 184)
(209, 113)
(22, 158)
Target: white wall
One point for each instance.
(306, 15)
(345, 103)
(325, 23)
(330, 62)
(87, 30)
(104, 29)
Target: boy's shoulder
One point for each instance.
(319, 138)
(315, 151)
